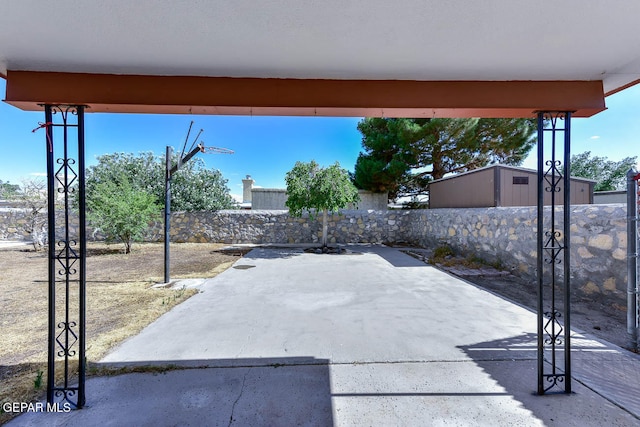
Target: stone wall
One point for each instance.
(270, 226)
(508, 236)
(497, 235)
(13, 224)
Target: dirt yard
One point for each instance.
(605, 322)
(120, 303)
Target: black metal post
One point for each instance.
(540, 248)
(566, 207)
(67, 258)
(632, 260)
(51, 238)
(167, 214)
(82, 280)
(170, 170)
(553, 333)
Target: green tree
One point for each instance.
(315, 189)
(8, 191)
(193, 187)
(401, 156)
(610, 175)
(121, 211)
(125, 192)
(143, 172)
(196, 188)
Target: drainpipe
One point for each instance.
(632, 260)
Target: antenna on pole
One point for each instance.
(170, 170)
(186, 139)
(214, 150)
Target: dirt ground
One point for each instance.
(605, 322)
(120, 302)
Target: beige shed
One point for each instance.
(500, 185)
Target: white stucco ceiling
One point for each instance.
(333, 39)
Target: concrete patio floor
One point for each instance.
(373, 337)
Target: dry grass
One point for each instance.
(120, 303)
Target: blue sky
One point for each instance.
(267, 147)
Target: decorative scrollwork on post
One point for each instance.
(553, 253)
(67, 253)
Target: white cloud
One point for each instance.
(595, 137)
(38, 174)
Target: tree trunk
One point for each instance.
(127, 244)
(324, 228)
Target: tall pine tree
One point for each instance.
(401, 156)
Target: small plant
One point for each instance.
(177, 295)
(497, 264)
(443, 252)
(179, 292)
(474, 262)
(37, 383)
(442, 255)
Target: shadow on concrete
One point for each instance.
(512, 363)
(251, 392)
(394, 257)
(273, 252)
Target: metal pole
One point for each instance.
(64, 260)
(539, 261)
(167, 199)
(553, 247)
(632, 261)
(82, 280)
(167, 214)
(567, 251)
(51, 238)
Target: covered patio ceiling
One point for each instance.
(417, 58)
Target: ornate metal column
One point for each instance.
(553, 266)
(67, 254)
(633, 221)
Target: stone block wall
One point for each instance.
(270, 226)
(498, 235)
(13, 224)
(508, 236)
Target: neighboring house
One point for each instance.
(500, 185)
(606, 197)
(268, 198)
(258, 198)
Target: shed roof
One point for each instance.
(516, 168)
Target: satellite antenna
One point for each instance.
(172, 169)
(214, 150)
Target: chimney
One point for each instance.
(247, 185)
